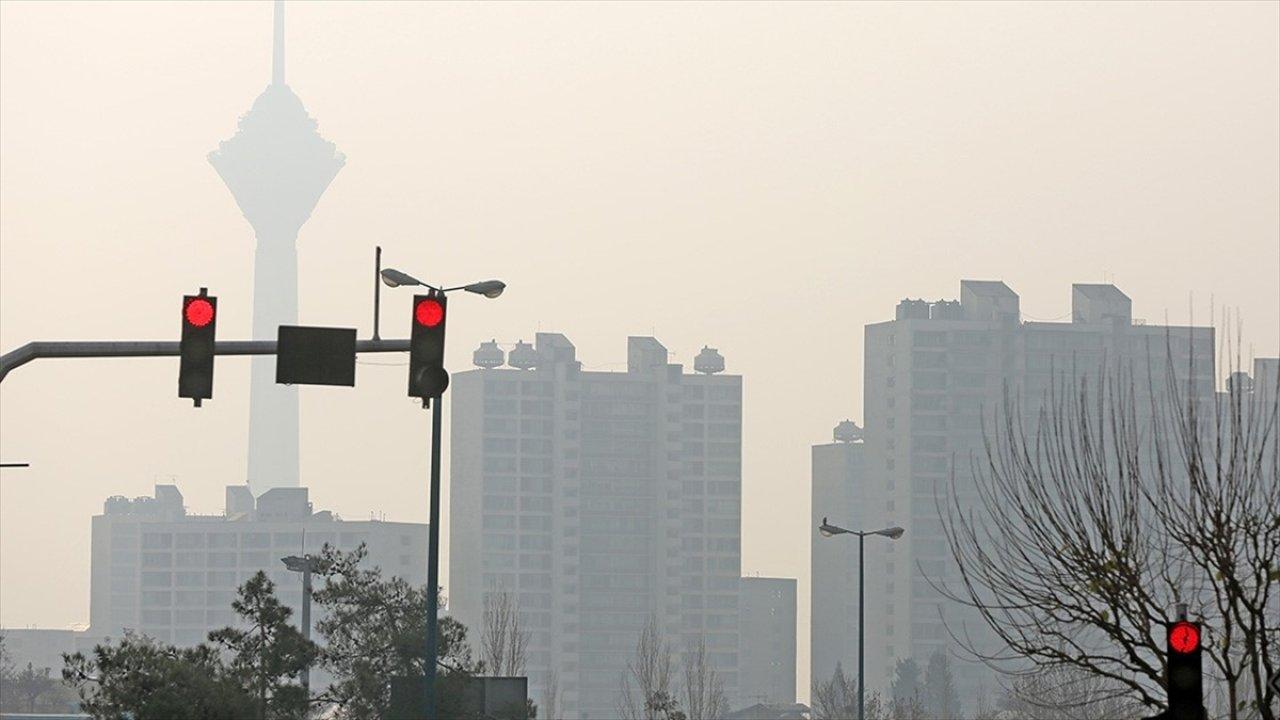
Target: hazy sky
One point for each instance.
(762, 178)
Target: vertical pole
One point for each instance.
(306, 625)
(277, 45)
(433, 559)
(377, 287)
(862, 675)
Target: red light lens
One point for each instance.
(1184, 637)
(429, 313)
(199, 312)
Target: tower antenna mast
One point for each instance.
(277, 45)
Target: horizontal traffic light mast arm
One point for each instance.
(148, 348)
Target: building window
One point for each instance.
(156, 617)
(157, 579)
(157, 541)
(223, 540)
(221, 579)
(500, 407)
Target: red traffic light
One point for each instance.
(198, 312)
(1184, 637)
(428, 313)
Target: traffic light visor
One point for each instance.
(428, 313)
(1184, 637)
(198, 312)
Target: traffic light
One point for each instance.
(1186, 695)
(195, 370)
(427, 376)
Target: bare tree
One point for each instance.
(503, 640)
(835, 698)
(703, 690)
(1064, 692)
(1120, 502)
(30, 684)
(550, 706)
(645, 692)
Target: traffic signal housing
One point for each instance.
(199, 325)
(427, 376)
(1185, 673)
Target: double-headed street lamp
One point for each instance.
(893, 533)
(489, 289)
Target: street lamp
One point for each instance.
(306, 565)
(490, 289)
(893, 533)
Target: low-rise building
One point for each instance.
(172, 575)
(767, 666)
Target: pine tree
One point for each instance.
(145, 680)
(268, 655)
(906, 681)
(941, 699)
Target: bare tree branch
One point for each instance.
(703, 690)
(1076, 536)
(503, 640)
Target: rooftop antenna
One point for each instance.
(277, 45)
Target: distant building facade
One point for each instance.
(838, 481)
(43, 647)
(767, 647)
(599, 499)
(171, 575)
(1265, 380)
(932, 375)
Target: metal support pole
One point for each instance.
(156, 348)
(377, 287)
(862, 663)
(306, 625)
(433, 560)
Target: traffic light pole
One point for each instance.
(433, 561)
(147, 348)
(862, 660)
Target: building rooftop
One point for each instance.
(987, 288)
(285, 504)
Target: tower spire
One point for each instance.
(277, 46)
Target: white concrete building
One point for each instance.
(931, 376)
(838, 478)
(163, 572)
(767, 648)
(600, 498)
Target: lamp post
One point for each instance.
(893, 533)
(306, 565)
(490, 289)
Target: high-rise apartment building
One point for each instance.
(767, 648)
(932, 375)
(838, 478)
(600, 499)
(163, 572)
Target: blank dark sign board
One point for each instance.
(316, 356)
